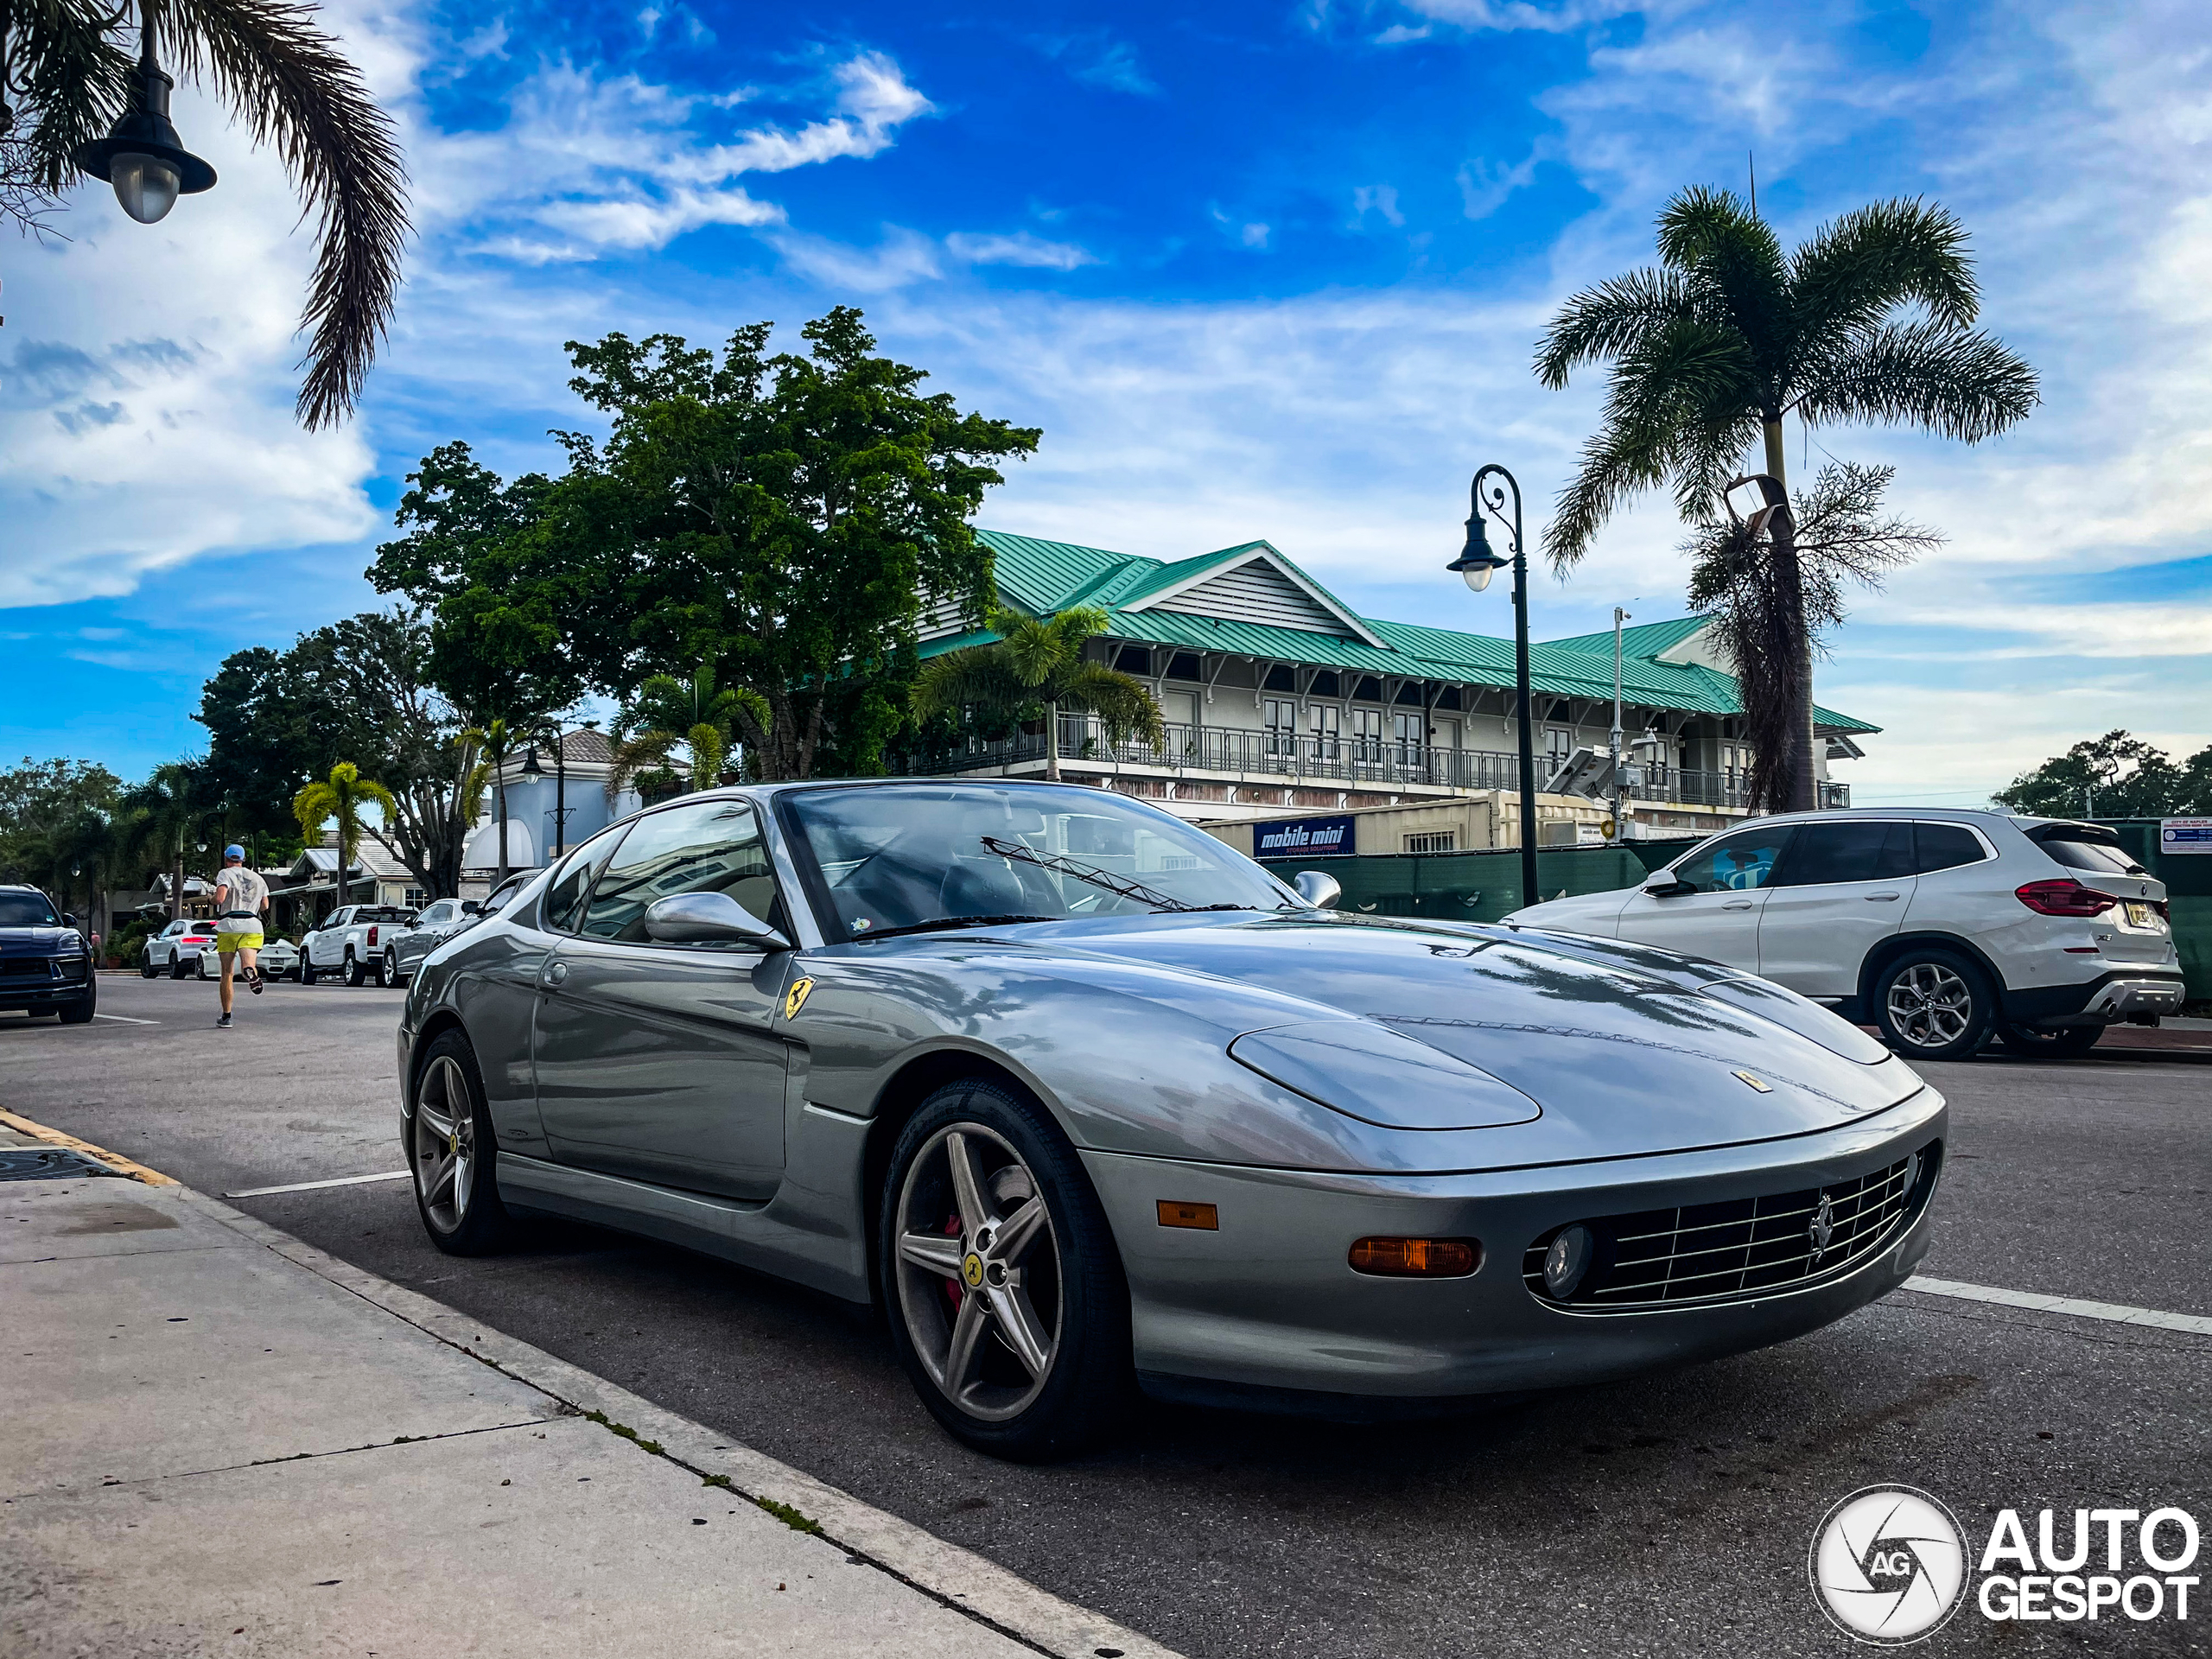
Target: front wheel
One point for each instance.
(1008, 1307)
(388, 968)
(1934, 1005)
(453, 1154)
(80, 1012)
(148, 968)
(2057, 1041)
(200, 967)
(307, 967)
(176, 967)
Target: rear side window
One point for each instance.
(564, 898)
(1946, 845)
(1847, 850)
(2079, 852)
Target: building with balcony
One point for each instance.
(1279, 698)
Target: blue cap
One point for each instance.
(234, 851)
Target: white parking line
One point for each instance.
(2117, 1312)
(126, 1019)
(309, 1186)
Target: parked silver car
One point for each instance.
(1093, 1102)
(434, 923)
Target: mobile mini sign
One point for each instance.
(1289, 838)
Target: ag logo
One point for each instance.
(795, 998)
(1888, 1564)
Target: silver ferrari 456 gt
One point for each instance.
(1094, 1104)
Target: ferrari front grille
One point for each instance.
(1739, 1250)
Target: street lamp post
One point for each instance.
(1477, 564)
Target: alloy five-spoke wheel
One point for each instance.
(979, 1273)
(1934, 1005)
(1007, 1304)
(451, 1152)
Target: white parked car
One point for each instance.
(353, 940)
(279, 958)
(1940, 927)
(176, 949)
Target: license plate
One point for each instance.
(2139, 915)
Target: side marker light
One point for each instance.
(1203, 1216)
(1416, 1258)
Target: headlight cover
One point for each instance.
(1374, 1074)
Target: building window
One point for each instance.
(417, 896)
(1436, 841)
(1183, 665)
(1282, 729)
(1410, 733)
(1448, 698)
(1369, 689)
(1134, 659)
(1408, 695)
(1324, 684)
(1280, 678)
(1367, 734)
(1323, 722)
(1558, 743)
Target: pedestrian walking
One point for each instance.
(241, 896)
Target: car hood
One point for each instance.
(35, 941)
(1615, 1049)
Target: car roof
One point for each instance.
(1941, 814)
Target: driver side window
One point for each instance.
(1737, 863)
(712, 846)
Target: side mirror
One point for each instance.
(1663, 884)
(68, 918)
(1321, 891)
(709, 918)
(469, 906)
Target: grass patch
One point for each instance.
(625, 1432)
(795, 1519)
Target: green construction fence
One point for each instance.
(1484, 886)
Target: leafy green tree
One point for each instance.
(58, 829)
(342, 795)
(2114, 776)
(779, 518)
(668, 714)
(1712, 350)
(1037, 664)
(74, 67)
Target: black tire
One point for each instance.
(80, 1012)
(176, 967)
(200, 967)
(387, 968)
(2055, 1042)
(150, 969)
(482, 1226)
(1934, 1004)
(355, 974)
(307, 967)
(1088, 1381)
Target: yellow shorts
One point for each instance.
(227, 943)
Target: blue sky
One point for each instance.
(1256, 269)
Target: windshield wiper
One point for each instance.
(1093, 875)
(944, 921)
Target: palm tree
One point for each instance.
(341, 796)
(496, 744)
(667, 714)
(77, 72)
(164, 814)
(1039, 661)
(1729, 336)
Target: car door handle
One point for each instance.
(1737, 904)
(556, 973)
(1883, 897)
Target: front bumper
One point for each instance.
(2123, 994)
(25, 992)
(1269, 1302)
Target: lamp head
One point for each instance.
(530, 767)
(1476, 563)
(142, 156)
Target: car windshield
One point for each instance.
(26, 910)
(903, 856)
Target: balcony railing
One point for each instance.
(1228, 752)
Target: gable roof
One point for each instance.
(1041, 577)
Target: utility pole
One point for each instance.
(1620, 782)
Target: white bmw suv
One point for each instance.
(1941, 927)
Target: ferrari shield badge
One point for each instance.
(795, 998)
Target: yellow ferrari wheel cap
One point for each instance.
(972, 1270)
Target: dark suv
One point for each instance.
(44, 965)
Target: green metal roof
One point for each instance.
(1040, 577)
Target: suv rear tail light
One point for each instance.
(2063, 898)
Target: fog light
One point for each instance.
(1416, 1258)
(1565, 1262)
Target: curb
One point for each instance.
(954, 1577)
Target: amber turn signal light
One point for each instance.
(1204, 1216)
(1416, 1258)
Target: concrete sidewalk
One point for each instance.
(219, 1440)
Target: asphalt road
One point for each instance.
(1670, 1514)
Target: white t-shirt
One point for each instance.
(241, 889)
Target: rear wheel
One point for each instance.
(354, 972)
(454, 1158)
(1008, 1307)
(1934, 1005)
(2055, 1040)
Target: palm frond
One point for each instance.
(1609, 320)
(295, 92)
(1122, 702)
(73, 79)
(1855, 270)
(975, 675)
(1960, 384)
(1734, 263)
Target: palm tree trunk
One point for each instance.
(1052, 742)
(499, 787)
(1781, 528)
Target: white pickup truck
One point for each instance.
(353, 940)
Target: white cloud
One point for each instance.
(1019, 249)
(1485, 185)
(1375, 199)
(1557, 16)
